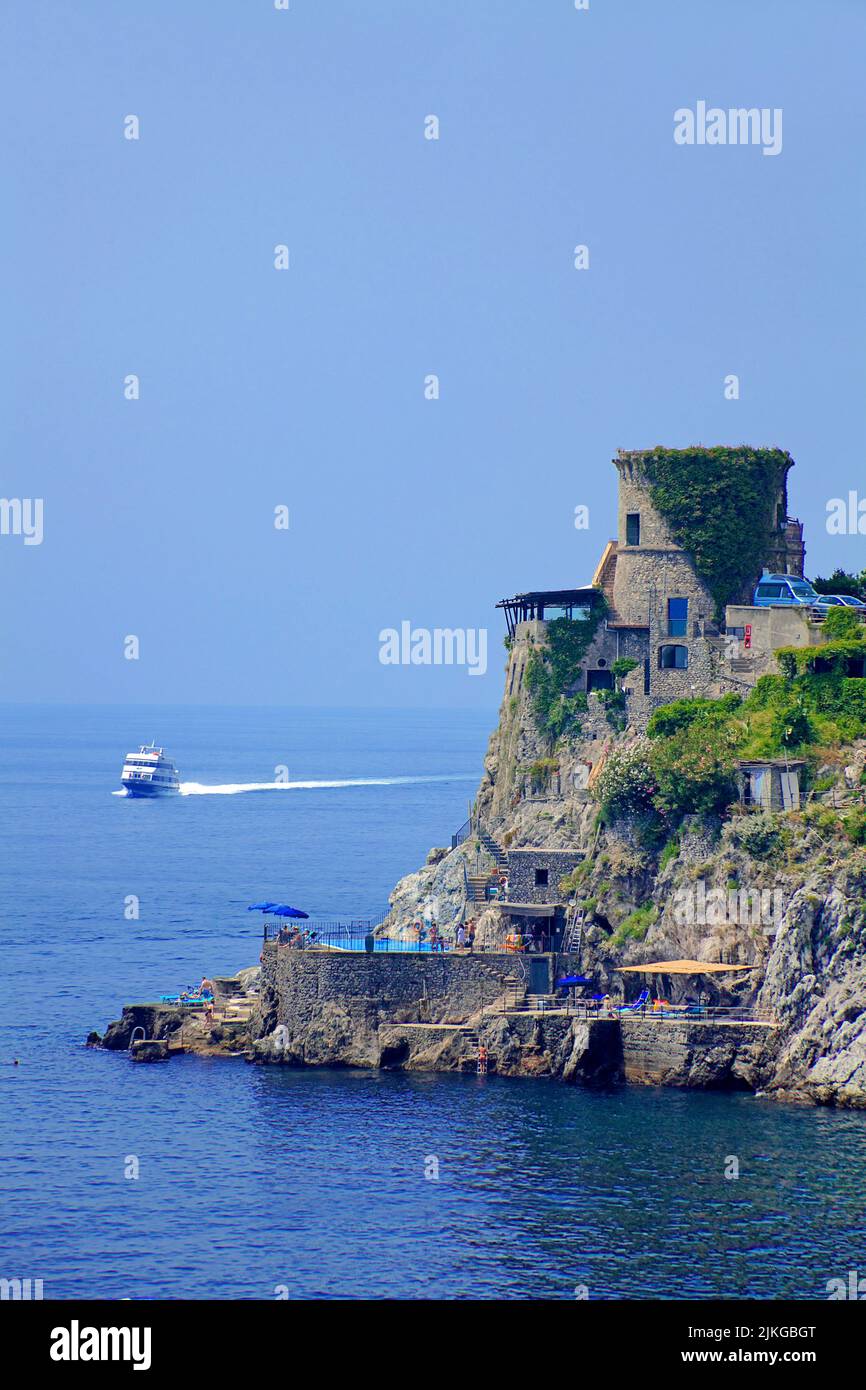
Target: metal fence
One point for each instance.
(462, 834)
(356, 935)
(677, 1013)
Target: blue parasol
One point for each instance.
(283, 910)
(260, 907)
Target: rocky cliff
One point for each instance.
(782, 893)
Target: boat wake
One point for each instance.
(236, 788)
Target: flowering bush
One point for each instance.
(626, 784)
(670, 778)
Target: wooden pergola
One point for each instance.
(682, 967)
(524, 607)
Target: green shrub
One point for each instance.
(563, 716)
(821, 817)
(570, 883)
(768, 691)
(541, 772)
(681, 714)
(854, 825)
(830, 658)
(613, 703)
(792, 727)
(636, 925)
(843, 624)
(693, 773)
(556, 666)
(720, 505)
(825, 784)
(761, 836)
(670, 852)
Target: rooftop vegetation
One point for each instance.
(720, 506)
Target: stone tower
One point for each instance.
(651, 567)
(657, 595)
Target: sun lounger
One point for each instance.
(639, 1003)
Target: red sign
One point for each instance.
(748, 636)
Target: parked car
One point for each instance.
(848, 599)
(787, 591)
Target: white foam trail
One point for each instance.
(235, 788)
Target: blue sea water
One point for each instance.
(257, 1181)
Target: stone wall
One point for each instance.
(647, 575)
(724, 1056)
(332, 1003)
(399, 1010)
(657, 568)
(772, 628)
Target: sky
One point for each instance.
(409, 257)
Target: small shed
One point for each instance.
(534, 874)
(772, 785)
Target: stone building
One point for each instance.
(653, 589)
(660, 611)
(771, 785)
(534, 875)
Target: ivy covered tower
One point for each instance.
(708, 519)
(696, 528)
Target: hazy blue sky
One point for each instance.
(408, 256)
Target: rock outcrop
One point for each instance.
(782, 893)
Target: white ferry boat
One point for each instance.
(150, 773)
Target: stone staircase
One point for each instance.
(493, 847)
(477, 883)
(515, 999)
(235, 1011)
(476, 887)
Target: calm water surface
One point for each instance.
(325, 1181)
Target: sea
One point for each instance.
(200, 1178)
